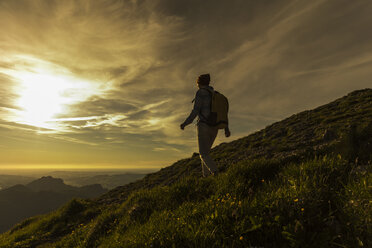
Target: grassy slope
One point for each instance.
(295, 183)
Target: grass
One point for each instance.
(324, 202)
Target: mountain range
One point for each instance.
(108, 179)
(304, 181)
(7, 181)
(39, 197)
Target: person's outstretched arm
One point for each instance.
(195, 111)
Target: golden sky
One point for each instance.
(105, 84)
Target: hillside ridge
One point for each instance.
(309, 134)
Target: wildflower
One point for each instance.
(241, 238)
(295, 200)
(240, 203)
(263, 180)
(302, 209)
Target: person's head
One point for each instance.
(203, 79)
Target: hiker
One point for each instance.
(207, 128)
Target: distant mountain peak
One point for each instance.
(49, 183)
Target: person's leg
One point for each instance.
(203, 143)
(206, 137)
(205, 171)
(212, 133)
(212, 136)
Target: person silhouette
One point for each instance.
(206, 133)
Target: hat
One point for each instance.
(204, 79)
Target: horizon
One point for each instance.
(32, 172)
(104, 85)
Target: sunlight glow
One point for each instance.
(41, 97)
(45, 90)
(154, 122)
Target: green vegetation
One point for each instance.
(310, 186)
(323, 202)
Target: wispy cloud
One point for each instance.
(140, 60)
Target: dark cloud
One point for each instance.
(140, 115)
(97, 106)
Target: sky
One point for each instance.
(105, 84)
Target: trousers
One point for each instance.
(206, 136)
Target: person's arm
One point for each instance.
(195, 111)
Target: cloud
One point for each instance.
(7, 96)
(271, 58)
(98, 106)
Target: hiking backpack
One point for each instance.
(219, 110)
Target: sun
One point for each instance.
(45, 94)
(41, 97)
(45, 91)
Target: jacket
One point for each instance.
(202, 105)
